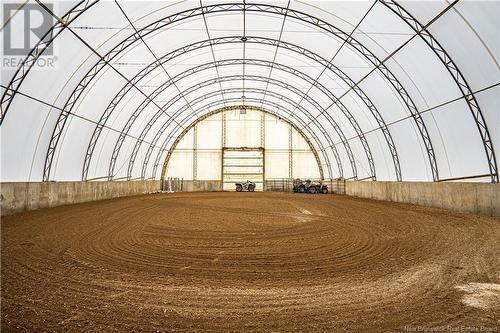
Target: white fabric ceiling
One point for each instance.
(385, 90)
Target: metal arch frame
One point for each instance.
(199, 99)
(385, 71)
(121, 94)
(255, 62)
(296, 15)
(232, 108)
(457, 77)
(278, 11)
(45, 41)
(187, 91)
(238, 100)
(36, 52)
(284, 98)
(208, 107)
(258, 101)
(267, 41)
(262, 79)
(453, 69)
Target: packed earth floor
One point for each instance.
(248, 262)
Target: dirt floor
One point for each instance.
(248, 262)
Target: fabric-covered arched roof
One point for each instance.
(385, 90)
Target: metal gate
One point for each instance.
(172, 184)
(241, 164)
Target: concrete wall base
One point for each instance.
(18, 197)
(22, 196)
(477, 198)
(201, 185)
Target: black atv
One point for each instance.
(309, 186)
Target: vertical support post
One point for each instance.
(290, 152)
(262, 144)
(223, 129)
(195, 152)
(222, 150)
(262, 129)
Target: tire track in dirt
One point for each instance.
(256, 261)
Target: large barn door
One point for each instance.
(242, 164)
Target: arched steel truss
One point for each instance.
(237, 78)
(270, 104)
(258, 40)
(457, 76)
(82, 6)
(282, 84)
(210, 106)
(255, 8)
(231, 108)
(37, 51)
(195, 46)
